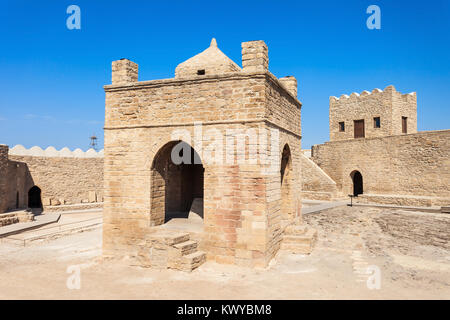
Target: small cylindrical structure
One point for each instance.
(124, 71)
(255, 56)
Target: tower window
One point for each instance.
(404, 125)
(376, 122)
(201, 72)
(359, 129)
(341, 126)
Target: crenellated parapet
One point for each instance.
(372, 94)
(49, 177)
(372, 114)
(51, 152)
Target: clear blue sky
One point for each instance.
(51, 78)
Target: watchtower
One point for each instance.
(373, 114)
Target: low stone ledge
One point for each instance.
(402, 200)
(315, 195)
(73, 207)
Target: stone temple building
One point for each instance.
(225, 119)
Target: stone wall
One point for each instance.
(389, 105)
(404, 165)
(316, 184)
(64, 177)
(3, 177)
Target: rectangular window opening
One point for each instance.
(359, 131)
(404, 125)
(376, 122)
(341, 126)
(201, 72)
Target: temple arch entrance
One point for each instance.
(34, 197)
(287, 207)
(176, 188)
(357, 182)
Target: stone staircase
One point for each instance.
(299, 239)
(15, 217)
(8, 218)
(172, 250)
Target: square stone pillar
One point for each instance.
(255, 56)
(124, 71)
(290, 84)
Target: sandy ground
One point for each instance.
(350, 241)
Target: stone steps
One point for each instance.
(186, 247)
(296, 229)
(299, 239)
(15, 217)
(184, 256)
(193, 260)
(8, 218)
(4, 221)
(173, 250)
(7, 215)
(172, 239)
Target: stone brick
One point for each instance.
(124, 71)
(255, 56)
(92, 196)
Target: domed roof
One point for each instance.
(210, 61)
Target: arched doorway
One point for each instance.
(357, 182)
(34, 197)
(287, 207)
(177, 187)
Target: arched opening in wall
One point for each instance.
(177, 183)
(34, 197)
(287, 203)
(357, 182)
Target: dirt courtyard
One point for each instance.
(410, 250)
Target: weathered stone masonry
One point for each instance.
(388, 105)
(244, 209)
(3, 178)
(404, 165)
(63, 177)
(390, 163)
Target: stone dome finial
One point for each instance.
(209, 62)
